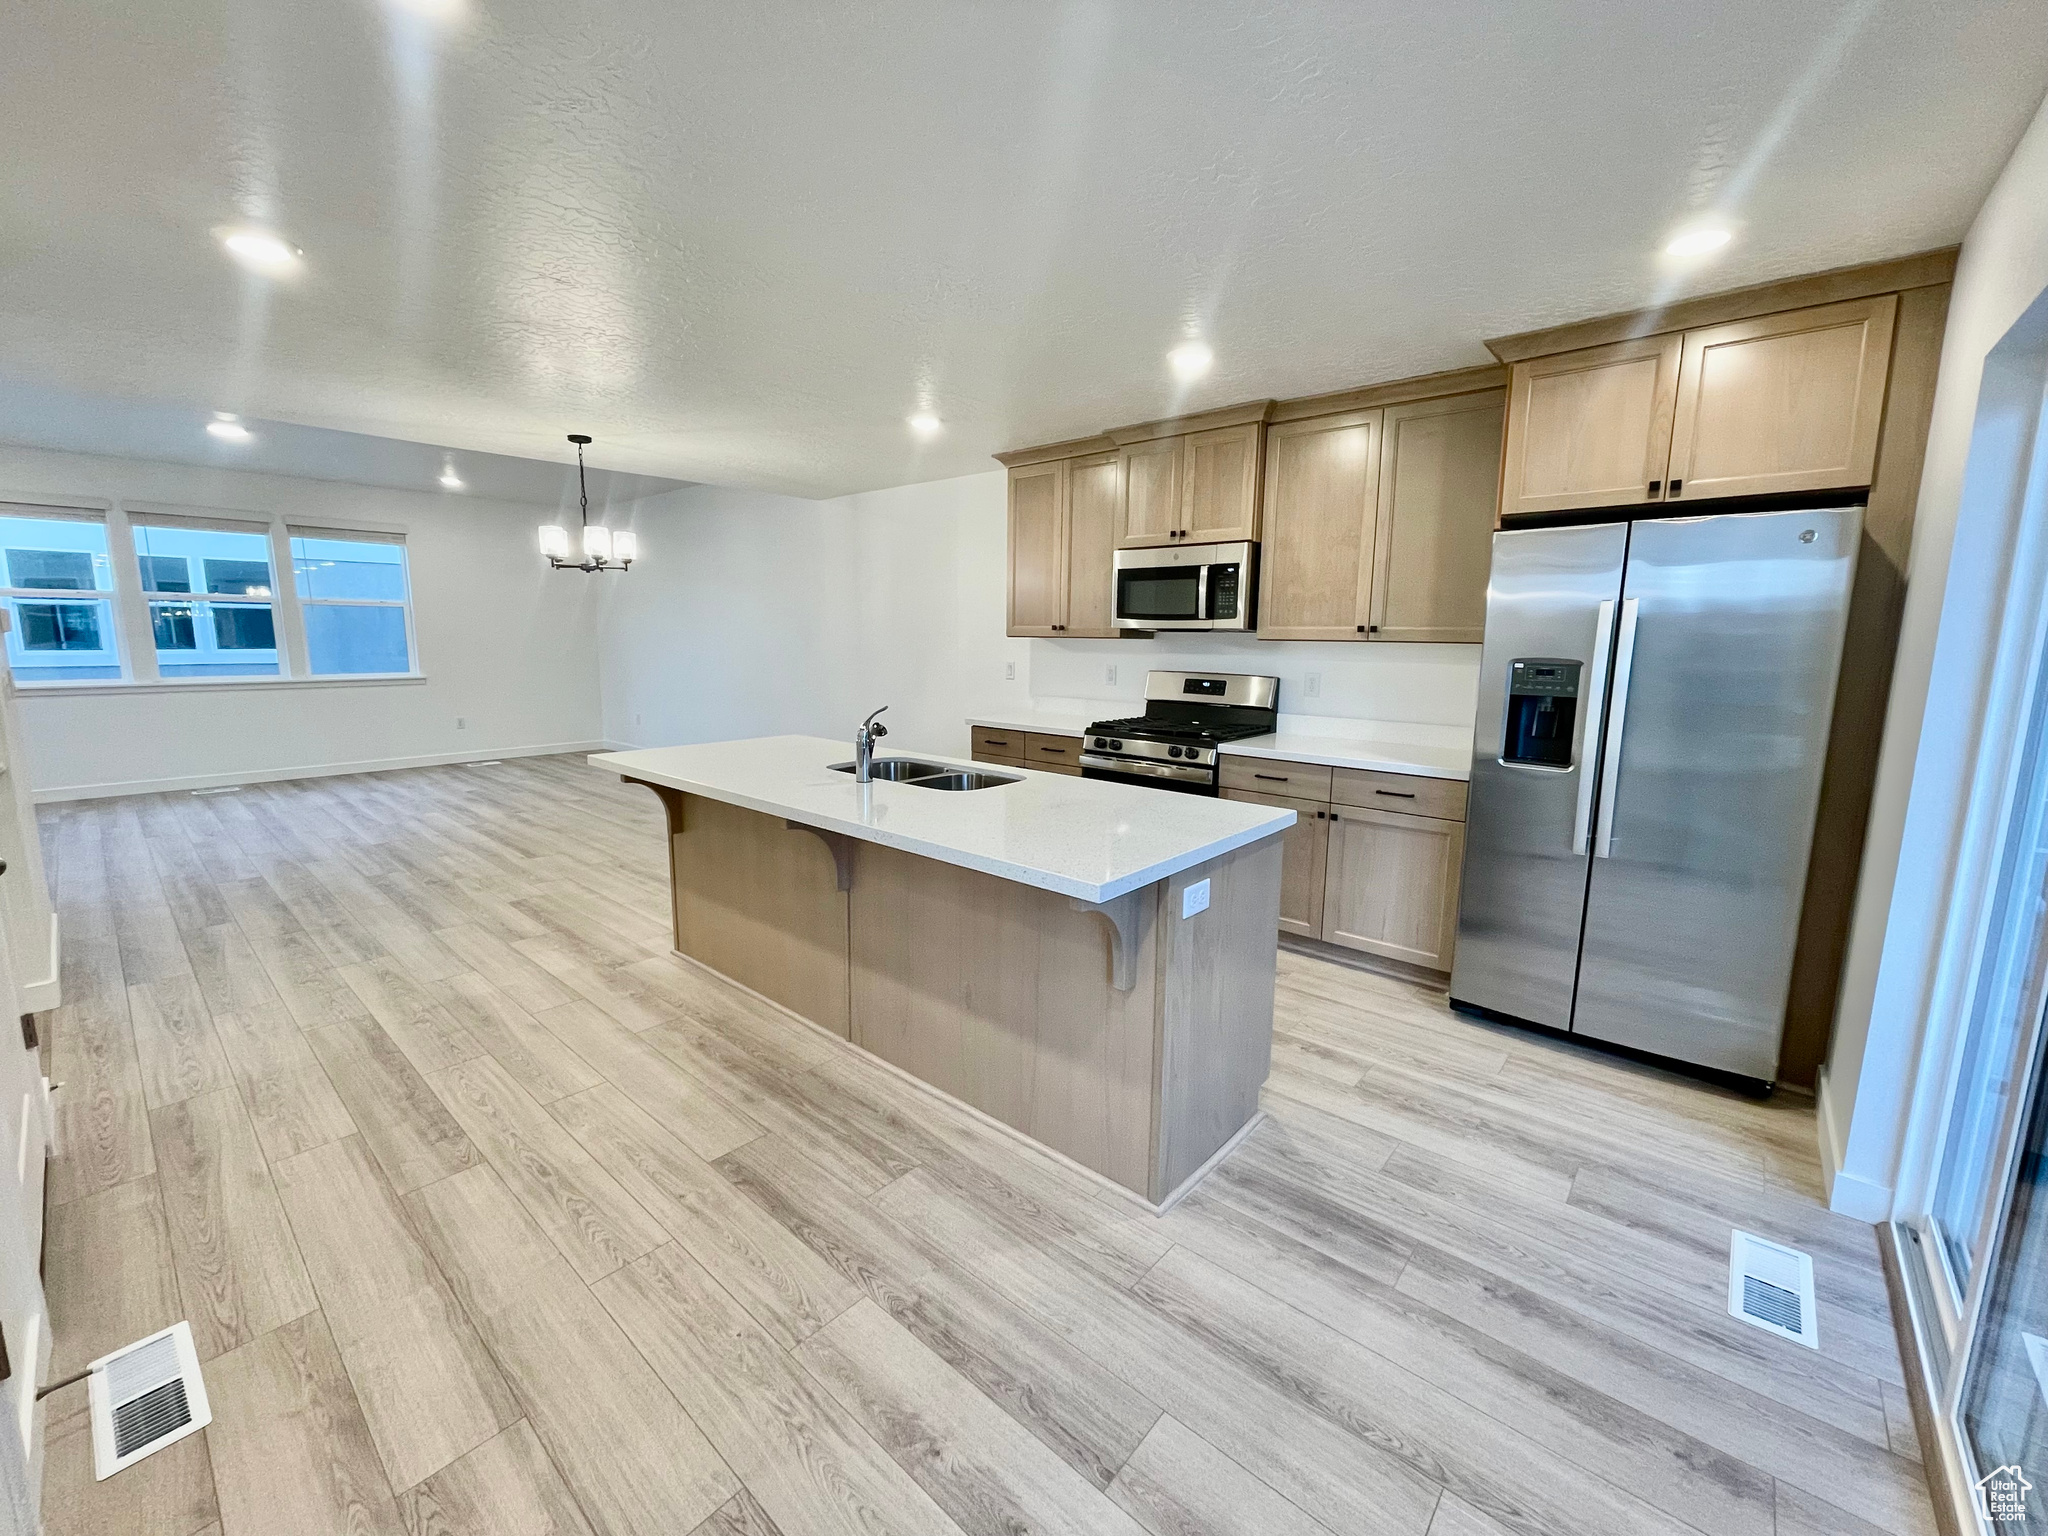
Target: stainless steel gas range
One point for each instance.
(1188, 715)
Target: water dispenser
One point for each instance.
(1543, 708)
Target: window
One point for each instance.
(352, 594)
(229, 632)
(51, 550)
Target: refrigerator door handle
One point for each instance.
(1589, 743)
(1610, 764)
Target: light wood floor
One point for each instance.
(492, 1218)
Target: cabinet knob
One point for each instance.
(1361, 629)
(1677, 486)
(1653, 486)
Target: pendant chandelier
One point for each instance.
(603, 550)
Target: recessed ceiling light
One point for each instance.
(261, 251)
(925, 424)
(450, 480)
(1190, 360)
(1698, 242)
(227, 426)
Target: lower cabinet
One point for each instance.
(1381, 881)
(1047, 753)
(1391, 886)
(1303, 852)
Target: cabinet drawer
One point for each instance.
(1406, 793)
(1267, 776)
(998, 743)
(998, 760)
(1047, 751)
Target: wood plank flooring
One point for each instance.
(493, 1218)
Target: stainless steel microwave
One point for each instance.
(1186, 586)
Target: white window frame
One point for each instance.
(134, 637)
(202, 522)
(52, 509)
(301, 603)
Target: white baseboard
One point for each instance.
(1848, 1193)
(305, 771)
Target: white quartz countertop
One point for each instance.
(1379, 747)
(1345, 752)
(1080, 837)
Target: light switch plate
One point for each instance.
(1194, 899)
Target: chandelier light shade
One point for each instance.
(603, 550)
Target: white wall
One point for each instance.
(751, 613)
(506, 644)
(1957, 577)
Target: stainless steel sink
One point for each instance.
(962, 779)
(921, 775)
(898, 768)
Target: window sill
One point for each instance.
(214, 684)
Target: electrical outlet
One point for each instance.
(636, 721)
(1313, 685)
(461, 724)
(1009, 671)
(1109, 674)
(1194, 899)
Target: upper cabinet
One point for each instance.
(1590, 428)
(1322, 509)
(1769, 405)
(1220, 484)
(1784, 403)
(1063, 520)
(1193, 486)
(1151, 509)
(1379, 523)
(1433, 544)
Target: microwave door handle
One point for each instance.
(1589, 730)
(1202, 591)
(1610, 764)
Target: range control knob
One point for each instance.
(1099, 742)
(1173, 751)
(1114, 746)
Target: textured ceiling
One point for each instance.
(740, 242)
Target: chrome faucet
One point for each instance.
(864, 741)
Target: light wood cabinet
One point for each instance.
(1590, 428)
(1783, 403)
(1091, 546)
(1304, 851)
(1321, 511)
(1193, 488)
(1439, 477)
(1063, 524)
(1038, 548)
(1769, 405)
(1391, 885)
(1151, 510)
(1220, 484)
(994, 744)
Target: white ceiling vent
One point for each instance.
(144, 1397)
(1771, 1286)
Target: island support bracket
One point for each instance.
(1123, 914)
(840, 844)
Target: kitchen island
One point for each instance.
(1088, 964)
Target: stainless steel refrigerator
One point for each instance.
(1654, 704)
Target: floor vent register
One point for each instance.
(1770, 1286)
(145, 1397)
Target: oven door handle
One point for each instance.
(1185, 772)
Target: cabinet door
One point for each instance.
(1322, 501)
(1038, 548)
(1220, 485)
(1439, 477)
(1304, 851)
(1150, 475)
(1392, 885)
(1091, 544)
(1590, 428)
(1784, 403)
